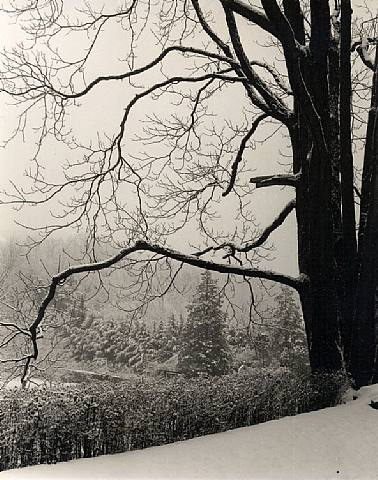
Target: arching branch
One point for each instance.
(142, 246)
(122, 76)
(259, 242)
(276, 105)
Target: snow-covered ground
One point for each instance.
(335, 443)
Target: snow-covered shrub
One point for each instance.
(59, 424)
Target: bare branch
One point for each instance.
(277, 222)
(210, 32)
(363, 52)
(13, 326)
(252, 14)
(239, 155)
(15, 360)
(272, 180)
(122, 76)
(271, 228)
(277, 106)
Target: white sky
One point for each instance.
(103, 113)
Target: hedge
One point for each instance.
(69, 422)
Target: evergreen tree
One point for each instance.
(289, 338)
(204, 348)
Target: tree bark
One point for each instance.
(363, 340)
(318, 201)
(349, 243)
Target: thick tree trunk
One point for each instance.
(318, 199)
(323, 290)
(320, 298)
(364, 341)
(323, 340)
(337, 310)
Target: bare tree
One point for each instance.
(164, 163)
(23, 286)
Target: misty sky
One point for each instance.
(102, 114)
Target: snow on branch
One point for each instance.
(252, 14)
(283, 28)
(196, 261)
(277, 222)
(363, 51)
(272, 180)
(295, 54)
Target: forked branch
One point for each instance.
(259, 242)
(252, 14)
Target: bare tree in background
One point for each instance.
(22, 288)
(163, 162)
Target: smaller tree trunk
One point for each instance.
(363, 341)
(349, 241)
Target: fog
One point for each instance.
(99, 113)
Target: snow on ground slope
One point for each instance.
(335, 443)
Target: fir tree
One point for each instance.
(289, 339)
(204, 348)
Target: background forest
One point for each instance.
(97, 336)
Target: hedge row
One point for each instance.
(68, 422)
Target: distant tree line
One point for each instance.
(130, 344)
(205, 342)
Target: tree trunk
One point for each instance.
(349, 242)
(363, 341)
(318, 199)
(323, 290)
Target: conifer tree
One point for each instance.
(289, 339)
(204, 348)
